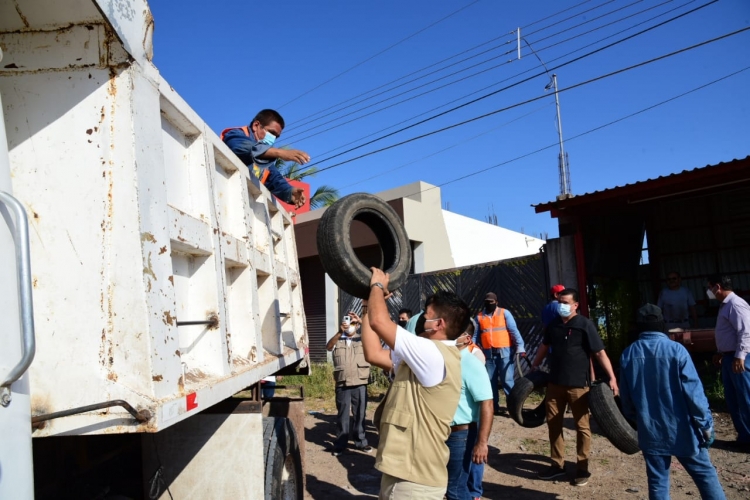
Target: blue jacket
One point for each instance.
(550, 312)
(242, 143)
(661, 391)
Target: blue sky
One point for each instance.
(231, 59)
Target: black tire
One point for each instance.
(605, 408)
(522, 388)
(283, 464)
(337, 254)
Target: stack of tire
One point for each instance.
(604, 406)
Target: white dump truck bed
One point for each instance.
(141, 220)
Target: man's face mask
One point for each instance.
(710, 294)
(490, 306)
(269, 138)
(402, 323)
(565, 310)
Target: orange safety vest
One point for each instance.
(493, 333)
(261, 174)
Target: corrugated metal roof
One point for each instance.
(643, 185)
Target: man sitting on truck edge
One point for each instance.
(351, 373)
(253, 144)
(423, 398)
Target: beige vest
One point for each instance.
(349, 365)
(416, 423)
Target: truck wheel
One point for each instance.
(522, 389)
(606, 410)
(283, 463)
(335, 246)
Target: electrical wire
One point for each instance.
(512, 106)
(585, 22)
(569, 18)
(460, 143)
(508, 78)
(587, 132)
(304, 118)
(338, 118)
(485, 96)
(379, 53)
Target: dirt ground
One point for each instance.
(516, 456)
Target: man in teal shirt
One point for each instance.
(474, 410)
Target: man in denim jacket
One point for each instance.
(253, 144)
(661, 391)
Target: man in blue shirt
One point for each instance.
(661, 391)
(253, 144)
(733, 346)
(550, 310)
(466, 443)
(498, 335)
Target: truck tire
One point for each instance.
(522, 389)
(283, 463)
(335, 246)
(605, 408)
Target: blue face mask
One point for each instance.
(564, 310)
(269, 138)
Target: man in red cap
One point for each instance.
(550, 310)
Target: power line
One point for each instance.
(461, 143)
(338, 118)
(555, 14)
(485, 96)
(381, 52)
(452, 57)
(587, 132)
(585, 22)
(569, 18)
(518, 104)
(505, 79)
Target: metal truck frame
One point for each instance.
(164, 277)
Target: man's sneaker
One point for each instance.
(582, 478)
(366, 449)
(337, 452)
(552, 472)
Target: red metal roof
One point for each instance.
(697, 179)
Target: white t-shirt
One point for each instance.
(421, 355)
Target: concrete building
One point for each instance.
(440, 240)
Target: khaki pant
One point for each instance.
(393, 488)
(578, 399)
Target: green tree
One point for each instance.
(324, 195)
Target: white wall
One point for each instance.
(475, 242)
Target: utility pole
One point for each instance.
(562, 159)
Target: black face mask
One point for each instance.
(419, 328)
(490, 308)
(402, 323)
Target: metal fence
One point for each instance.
(520, 285)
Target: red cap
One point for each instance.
(557, 289)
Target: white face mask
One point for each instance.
(710, 295)
(352, 330)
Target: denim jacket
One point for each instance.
(661, 391)
(249, 151)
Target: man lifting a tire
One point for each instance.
(573, 339)
(423, 398)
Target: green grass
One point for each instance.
(711, 378)
(319, 385)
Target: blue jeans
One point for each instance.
(737, 396)
(476, 471)
(458, 466)
(500, 370)
(699, 467)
